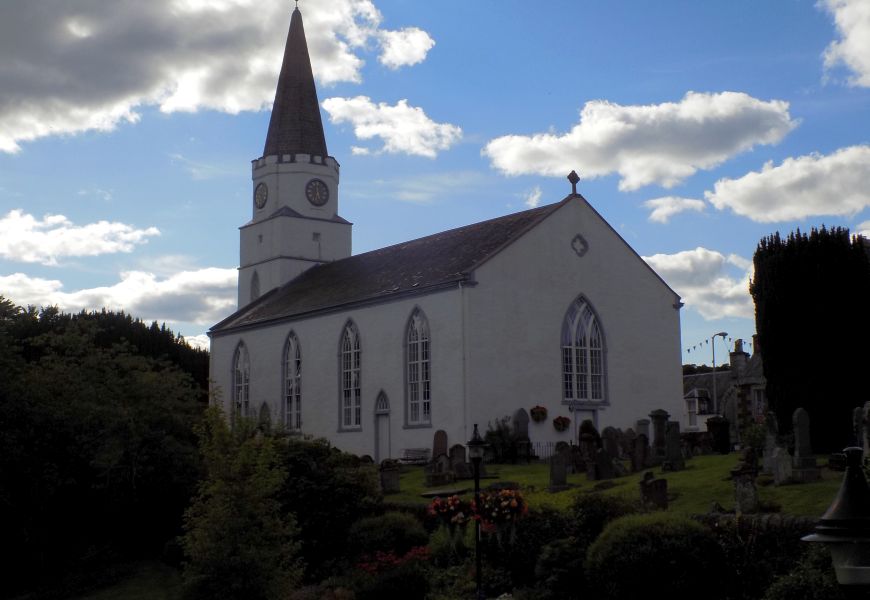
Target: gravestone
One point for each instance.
(781, 466)
(720, 431)
(804, 462)
(521, 429)
(610, 442)
(578, 463)
(590, 440)
(628, 439)
(654, 492)
(603, 467)
(642, 427)
(458, 464)
(743, 477)
(659, 426)
(559, 471)
(640, 454)
(438, 471)
(770, 436)
(439, 443)
(858, 425)
(389, 472)
(673, 460)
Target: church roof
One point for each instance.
(425, 264)
(295, 126)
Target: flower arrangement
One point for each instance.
(561, 423)
(500, 508)
(384, 561)
(538, 413)
(450, 511)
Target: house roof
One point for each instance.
(704, 381)
(427, 263)
(295, 126)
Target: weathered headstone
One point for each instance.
(654, 492)
(438, 471)
(659, 426)
(628, 441)
(590, 440)
(458, 464)
(640, 454)
(610, 441)
(439, 443)
(771, 432)
(719, 429)
(642, 428)
(804, 462)
(673, 460)
(389, 472)
(521, 430)
(559, 471)
(743, 477)
(603, 467)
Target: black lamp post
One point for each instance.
(845, 528)
(476, 450)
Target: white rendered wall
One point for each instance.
(382, 337)
(514, 320)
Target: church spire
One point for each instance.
(295, 126)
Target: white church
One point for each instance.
(548, 307)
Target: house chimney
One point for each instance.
(738, 359)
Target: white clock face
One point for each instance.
(261, 194)
(317, 192)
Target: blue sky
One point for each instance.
(127, 131)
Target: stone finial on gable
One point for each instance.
(573, 177)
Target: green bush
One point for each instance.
(559, 570)
(451, 545)
(392, 531)
(635, 551)
(503, 441)
(590, 513)
(813, 579)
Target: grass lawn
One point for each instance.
(692, 491)
(148, 580)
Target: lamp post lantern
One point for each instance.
(845, 528)
(476, 450)
(713, 343)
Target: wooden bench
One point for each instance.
(415, 456)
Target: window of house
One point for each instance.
(241, 382)
(418, 374)
(292, 384)
(583, 354)
(351, 392)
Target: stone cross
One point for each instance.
(659, 420)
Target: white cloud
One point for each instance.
(80, 66)
(402, 128)
(204, 296)
(862, 229)
(404, 47)
(662, 209)
(24, 238)
(852, 18)
(202, 171)
(657, 143)
(833, 184)
(200, 341)
(707, 282)
(533, 198)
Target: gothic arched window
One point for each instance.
(292, 402)
(583, 354)
(418, 372)
(351, 391)
(241, 381)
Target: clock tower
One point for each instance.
(295, 223)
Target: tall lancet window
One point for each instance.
(419, 410)
(292, 384)
(351, 391)
(255, 286)
(583, 354)
(241, 382)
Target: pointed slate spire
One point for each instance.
(295, 126)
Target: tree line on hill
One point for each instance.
(98, 457)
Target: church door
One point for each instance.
(382, 428)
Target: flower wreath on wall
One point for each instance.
(561, 423)
(538, 413)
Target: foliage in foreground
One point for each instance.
(239, 543)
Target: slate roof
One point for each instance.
(286, 211)
(704, 381)
(295, 126)
(428, 263)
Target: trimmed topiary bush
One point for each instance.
(592, 512)
(812, 579)
(390, 532)
(637, 551)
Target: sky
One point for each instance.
(698, 128)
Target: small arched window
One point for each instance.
(351, 390)
(255, 286)
(418, 372)
(241, 381)
(583, 354)
(292, 384)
